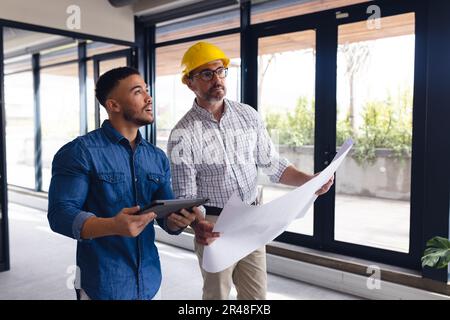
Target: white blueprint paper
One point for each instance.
(245, 228)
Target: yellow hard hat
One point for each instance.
(200, 54)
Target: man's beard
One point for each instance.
(133, 117)
(212, 96)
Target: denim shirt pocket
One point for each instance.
(110, 186)
(153, 182)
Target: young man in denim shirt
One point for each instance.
(99, 182)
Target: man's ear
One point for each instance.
(188, 82)
(112, 106)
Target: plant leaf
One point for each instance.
(439, 242)
(437, 254)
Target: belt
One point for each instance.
(215, 211)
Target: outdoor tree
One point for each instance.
(356, 56)
(264, 62)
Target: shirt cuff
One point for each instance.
(282, 165)
(202, 210)
(78, 222)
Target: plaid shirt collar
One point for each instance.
(208, 115)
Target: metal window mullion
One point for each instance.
(97, 104)
(249, 52)
(37, 122)
(4, 230)
(151, 36)
(325, 126)
(435, 220)
(82, 77)
(139, 60)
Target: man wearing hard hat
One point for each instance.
(215, 151)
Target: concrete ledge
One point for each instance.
(388, 273)
(29, 198)
(184, 240)
(350, 283)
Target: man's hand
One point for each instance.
(203, 229)
(326, 186)
(177, 221)
(127, 223)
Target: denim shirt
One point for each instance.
(98, 174)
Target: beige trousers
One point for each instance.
(249, 276)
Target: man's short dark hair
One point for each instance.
(109, 80)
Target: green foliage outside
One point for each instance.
(294, 128)
(385, 124)
(437, 253)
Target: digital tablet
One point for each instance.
(163, 208)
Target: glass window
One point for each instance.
(53, 48)
(286, 90)
(210, 22)
(17, 64)
(60, 112)
(263, 11)
(19, 107)
(94, 48)
(172, 98)
(104, 66)
(375, 81)
(60, 54)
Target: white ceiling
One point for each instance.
(18, 41)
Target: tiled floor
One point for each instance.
(42, 264)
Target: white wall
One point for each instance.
(97, 17)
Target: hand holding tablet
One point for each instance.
(163, 208)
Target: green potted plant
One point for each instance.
(437, 253)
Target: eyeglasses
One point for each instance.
(207, 75)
